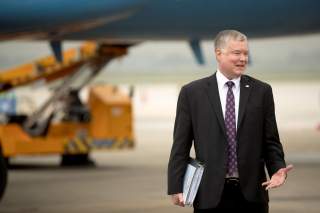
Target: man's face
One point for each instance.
(233, 58)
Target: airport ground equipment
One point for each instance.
(63, 124)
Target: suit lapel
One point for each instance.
(245, 89)
(213, 94)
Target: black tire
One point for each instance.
(76, 160)
(7, 161)
(3, 175)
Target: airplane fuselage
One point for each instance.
(139, 20)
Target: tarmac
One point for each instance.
(135, 180)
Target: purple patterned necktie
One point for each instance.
(230, 123)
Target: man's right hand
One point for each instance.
(177, 199)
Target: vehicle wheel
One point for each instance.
(7, 161)
(76, 160)
(3, 175)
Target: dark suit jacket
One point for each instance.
(199, 121)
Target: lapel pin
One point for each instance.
(247, 86)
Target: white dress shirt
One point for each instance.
(223, 90)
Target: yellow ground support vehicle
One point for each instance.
(104, 122)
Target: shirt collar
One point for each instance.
(222, 80)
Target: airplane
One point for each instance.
(123, 23)
(128, 22)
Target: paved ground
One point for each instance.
(135, 180)
(122, 188)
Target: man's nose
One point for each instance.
(244, 58)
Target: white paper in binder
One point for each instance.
(191, 181)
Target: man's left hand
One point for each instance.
(277, 178)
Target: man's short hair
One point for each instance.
(224, 36)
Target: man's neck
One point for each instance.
(227, 76)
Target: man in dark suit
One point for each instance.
(229, 117)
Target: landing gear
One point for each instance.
(76, 160)
(3, 174)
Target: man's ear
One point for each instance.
(217, 53)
